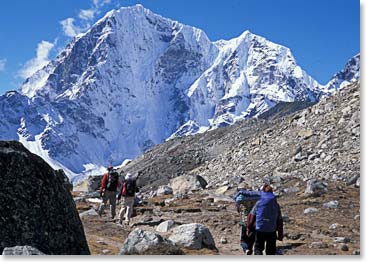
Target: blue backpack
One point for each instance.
(267, 211)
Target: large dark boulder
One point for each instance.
(36, 208)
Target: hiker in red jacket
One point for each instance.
(108, 189)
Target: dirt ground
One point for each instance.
(105, 236)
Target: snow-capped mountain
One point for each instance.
(349, 74)
(136, 79)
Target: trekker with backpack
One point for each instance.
(267, 220)
(108, 190)
(245, 201)
(128, 191)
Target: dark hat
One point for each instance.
(267, 188)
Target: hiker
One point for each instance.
(266, 218)
(110, 183)
(128, 191)
(245, 200)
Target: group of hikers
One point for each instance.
(262, 223)
(261, 218)
(110, 185)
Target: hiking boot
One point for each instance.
(249, 252)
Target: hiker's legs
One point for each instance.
(259, 243)
(102, 205)
(129, 203)
(243, 238)
(112, 199)
(251, 241)
(122, 210)
(271, 240)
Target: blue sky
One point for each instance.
(322, 34)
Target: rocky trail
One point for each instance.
(333, 230)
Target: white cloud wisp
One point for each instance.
(2, 64)
(38, 62)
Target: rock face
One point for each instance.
(141, 242)
(37, 208)
(21, 251)
(192, 236)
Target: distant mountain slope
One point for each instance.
(321, 141)
(349, 74)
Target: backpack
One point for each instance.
(267, 211)
(112, 182)
(128, 188)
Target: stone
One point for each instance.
(334, 226)
(89, 184)
(300, 157)
(291, 190)
(39, 210)
(352, 180)
(344, 247)
(293, 236)
(222, 190)
(310, 210)
(358, 182)
(165, 226)
(341, 240)
(21, 251)
(91, 212)
(140, 242)
(318, 245)
(193, 236)
(106, 251)
(331, 204)
(79, 199)
(313, 156)
(223, 240)
(356, 253)
(356, 217)
(164, 190)
(315, 188)
(305, 133)
(285, 218)
(186, 183)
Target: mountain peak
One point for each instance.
(135, 78)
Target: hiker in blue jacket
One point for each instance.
(267, 220)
